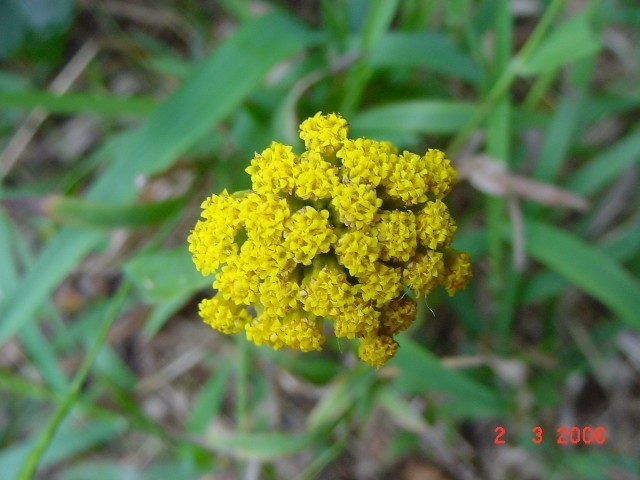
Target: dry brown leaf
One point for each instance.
(492, 177)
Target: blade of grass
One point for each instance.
(508, 75)
(420, 371)
(74, 103)
(564, 124)
(43, 356)
(30, 464)
(207, 405)
(587, 267)
(71, 440)
(77, 212)
(419, 116)
(606, 166)
(622, 246)
(264, 446)
(378, 19)
(163, 275)
(498, 135)
(235, 69)
(570, 41)
(433, 51)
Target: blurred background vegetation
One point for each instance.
(118, 118)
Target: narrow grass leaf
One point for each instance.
(209, 400)
(338, 399)
(78, 212)
(587, 267)
(414, 118)
(379, 17)
(571, 41)
(99, 470)
(606, 166)
(43, 357)
(47, 434)
(161, 276)
(422, 372)
(432, 51)
(593, 465)
(558, 137)
(8, 272)
(74, 103)
(264, 446)
(162, 312)
(71, 439)
(58, 256)
(418, 117)
(216, 87)
(621, 246)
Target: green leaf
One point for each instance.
(425, 50)
(417, 117)
(606, 166)
(420, 372)
(99, 470)
(56, 259)
(571, 41)
(85, 213)
(218, 86)
(209, 401)
(265, 446)
(12, 28)
(43, 356)
(161, 276)
(70, 103)
(586, 267)
(70, 440)
(408, 120)
(338, 399)
(379, 16)
(592, 465)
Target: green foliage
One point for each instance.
(34, 24)
(508, 351)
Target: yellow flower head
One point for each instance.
(397, 235)
(335, 232)
(435, 225)
(424, 271)
(223, 315)
(381, 284)
(397, 315)
(377, 350)
(440, 173)
(357, 250)
(272, 171)
(408, 180)
(324, 133)
(356, 204)
(315, 178)
(308, 233)
(326, 293)
(365, 161)
(357, 320)
(457, 271)
(211, 241)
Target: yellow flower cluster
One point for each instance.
(337, 232)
